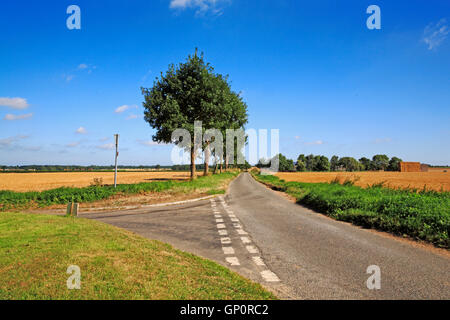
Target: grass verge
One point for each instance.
(36, 250)
(9, 200)
(423, 215)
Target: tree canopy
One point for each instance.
(380, 162)
(188, 93)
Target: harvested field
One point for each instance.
(432, 180)
(437, 169)
(22, 182)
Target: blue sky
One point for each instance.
(309, 68)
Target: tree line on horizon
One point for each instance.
(99, 168)
(320, 163)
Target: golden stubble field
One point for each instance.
(45, 181)
(432, 180)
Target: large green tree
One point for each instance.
(349, 164)
(186, 93)
(321, 163)
(366, 163)
(285, 164)
(394, 164)
(380, 162)
(235, 119)
(218, 115)
(310, 162)
(334, 163)
(301, 163)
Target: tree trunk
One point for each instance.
(221, 165)
(216, 166)
(226, 163)
(206, 169)
(192, 162)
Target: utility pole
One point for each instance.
(116, 138)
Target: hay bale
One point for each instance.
(410, 167)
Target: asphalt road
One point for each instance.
(297, 253)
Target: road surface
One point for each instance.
(297, 253)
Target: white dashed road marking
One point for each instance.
(245, 240)
(252, 249)
(269, 276)
(228, 250)
(259, 261)
(233, 261)
(225, 240)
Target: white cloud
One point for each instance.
(12, 143)
(149, 143)
(15, 103)
(314, 143)
(132, 116)
(297, 137)
(144, 78)
(6, 142)
(104, 139)
(73, 144)
(124, 108)
(81, 130)
(86, 67)
(180, 3)
(33, 148)
(435, 33)
(201, 6)
(12, 117)
(107, 146)
(82, 67)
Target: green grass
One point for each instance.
(9, 200)
(36, 250)
(423, 215)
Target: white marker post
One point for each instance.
(116, 137)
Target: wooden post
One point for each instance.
(69, 208)
(116, 137)
(75, 210)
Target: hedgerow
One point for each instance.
(21, 200)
